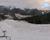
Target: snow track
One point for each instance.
(20, 30)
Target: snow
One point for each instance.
(21, 30)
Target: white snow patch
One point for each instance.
(20, 30)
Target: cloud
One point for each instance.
(24, 3)
(18, 3)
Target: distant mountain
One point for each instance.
(3, 8)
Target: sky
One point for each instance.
(39, 4)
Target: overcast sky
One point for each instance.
(26, 3)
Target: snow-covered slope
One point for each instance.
(20, 30)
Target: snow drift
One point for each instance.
(21, 30)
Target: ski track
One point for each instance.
(21, 30)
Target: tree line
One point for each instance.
(36, 16)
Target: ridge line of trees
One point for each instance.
(36, 16)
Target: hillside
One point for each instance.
(21, 30)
